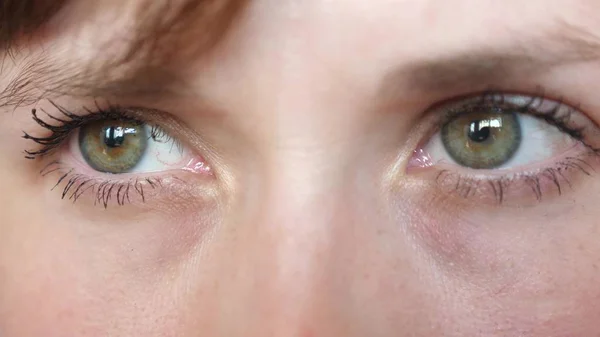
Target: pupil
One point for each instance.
(479, 131)
(114, 136)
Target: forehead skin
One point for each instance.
(304, 101)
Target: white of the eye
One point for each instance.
(161, 154)
(540, 141)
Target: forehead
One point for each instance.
(386, 28)
(146, 40)
(393, 21)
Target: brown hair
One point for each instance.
(162, 35)
(23, 17)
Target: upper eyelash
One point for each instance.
(104, 189)
(71, 121)
(497, 100)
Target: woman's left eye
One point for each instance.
(485, 140)
(503, 145)
(127, 146)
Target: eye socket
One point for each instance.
(500, 135)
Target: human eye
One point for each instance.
(110, 153)
(508, 148)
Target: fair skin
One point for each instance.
(311, 220)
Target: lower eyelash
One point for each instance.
(537, 183)
(74, 185)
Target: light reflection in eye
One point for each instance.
(486, 123)
(115, 136)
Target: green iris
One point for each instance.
(482, 140)
(113, 146)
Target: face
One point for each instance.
(301, 168)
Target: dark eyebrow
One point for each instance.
(24, 17)
(567, 44)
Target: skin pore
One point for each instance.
(310, 221)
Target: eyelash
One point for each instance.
(64, 128)
(76, 184)
(556, 176)
(467, 187)
(497, 100)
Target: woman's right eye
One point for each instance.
(130, 146)
(112, 154)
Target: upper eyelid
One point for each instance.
(61, 126)
(536, 104)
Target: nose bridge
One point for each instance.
(307, 180)
(289, 244)
(298, 216)
(293, 205)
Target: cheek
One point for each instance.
(86, 278)
(513, 271)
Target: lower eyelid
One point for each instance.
(73, 180)
(104, 190)
(513, 188)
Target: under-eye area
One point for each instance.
(507, 149)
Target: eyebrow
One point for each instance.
(149, 59)
(146, 61)
(567, 44)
